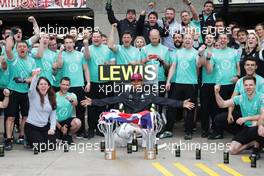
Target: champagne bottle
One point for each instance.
(134, 142)
(121, 107)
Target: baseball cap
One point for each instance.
(136, 76)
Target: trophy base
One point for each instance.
(110, 154)
(150, 154)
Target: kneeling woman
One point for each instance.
(41, 121)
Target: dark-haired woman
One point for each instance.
(41, 120)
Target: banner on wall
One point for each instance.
(239, 1)
(41, 4)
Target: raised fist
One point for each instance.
(6, 92)
(31, 19)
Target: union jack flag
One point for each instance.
(144, 118)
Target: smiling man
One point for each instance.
(20, 65)
(136, 100)
(251, 104)
(74, 66)
(44, 58)
(185, 64)
(127, 24)
(125, 53)
(226, 121)
(66, 101)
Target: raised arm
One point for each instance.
(195, 14)
(34, 80)
(230, 117)
(35, 37)
(86, 46)
(111, 40)
(200, 59)
(40, 50)
(220, 102)
(110, 14)
(140, 23)
(224, 10)
(9, 48)
(60, 60)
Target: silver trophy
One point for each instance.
(150, 150)
(107, 128)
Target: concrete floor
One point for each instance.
(88, 160)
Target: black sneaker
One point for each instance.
(188, 136)
(20, 140)
(194, 129)
(166, 134)
(98, 133)
(204, 134)
(215, 136)
(8, 145)
(256, 151)
(91, 134)
(79, 136)
(85, 135)
(69, 139)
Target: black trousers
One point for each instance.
(39, 136)
(17, 122)
(4, 111)
(252, 134)
(80, 110)
(158, 91)
(182, 92)
(97, 91)
(208, 106)
(162, 92)
(222, 124)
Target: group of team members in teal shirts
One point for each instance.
(219, 66)
(21, 61)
